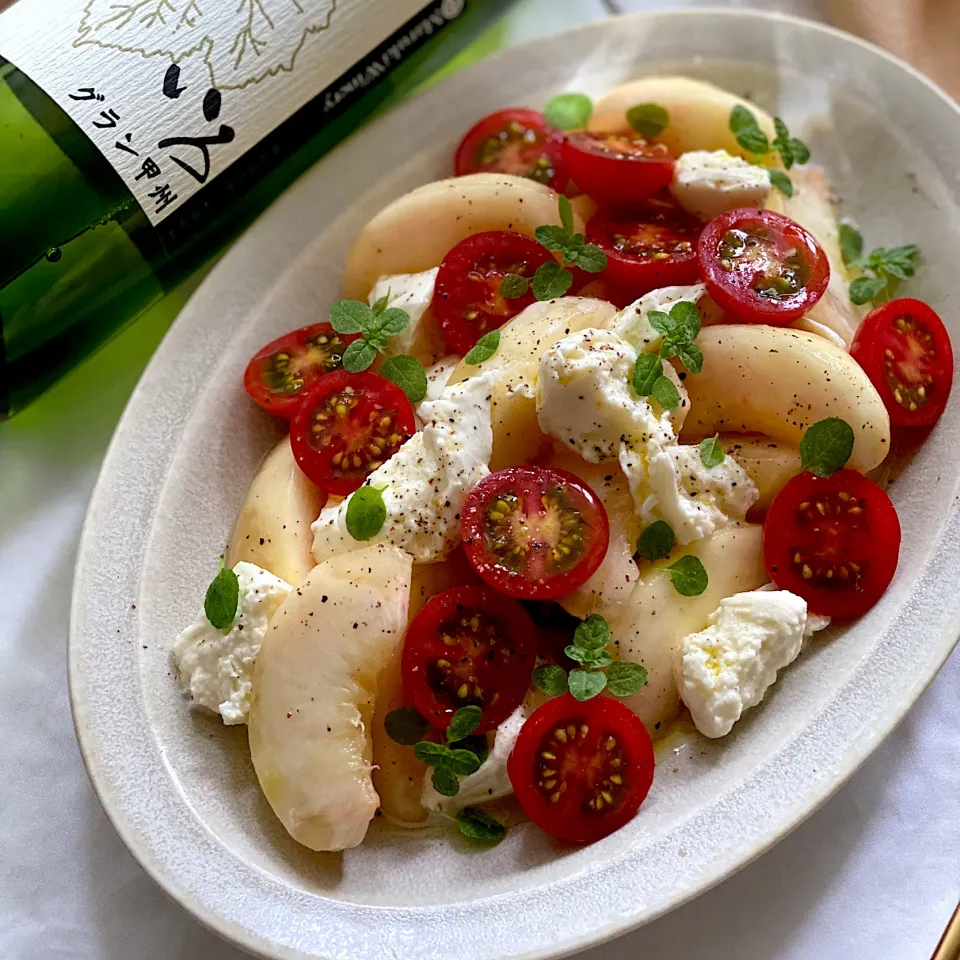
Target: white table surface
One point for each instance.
(873, 875)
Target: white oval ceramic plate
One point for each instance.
(179, 786)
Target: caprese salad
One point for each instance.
(586, 447)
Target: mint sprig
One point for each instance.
(679, 328)
(649, 380)
(750, 136)
(881, 271)
(551, 280)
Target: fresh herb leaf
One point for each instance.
(646, 372)
(851, 243)
(584, 685)
(690, 356)
(588, 257)
(462, 762)
(388, 323)
(686, 318)
(592, 634)
(648, 119)
(359, 355)
(801, 152)
(744, 126)
(662, 322)
(513, 285)
(432, 754)
(349, 316)
(445, 782)
(689, 576)
(781, 181)
(568, 111)
(405, 371)
(366, 512)
(865, 289)
(566, 215)
(553, 238)
(781, 142)
(463, 723)
(551, 281)
(477, 825)
(666, 394)
(551, 679)
(380, 305)
(711, 452)
(222, 599)
(625, 678)
(405, 725)
(826, 446)
(484, 348)
(589, 658)
(656, 541)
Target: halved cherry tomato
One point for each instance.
(534, 532)
(762, 267)
(466, 298)
(280, 373)
(616, 167)
(468, 646)
(835, 541)
(581, 770)
(905, 350)
(648, 245)
(347, 425)
(516, 141)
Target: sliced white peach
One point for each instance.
(768, 462)
(273, 527)
(778, 381)
(314, 687)
(415, 232)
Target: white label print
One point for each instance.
(174, 91)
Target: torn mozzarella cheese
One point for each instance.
(413, 293)
(425, 482)
(632, 323)
(707, 183)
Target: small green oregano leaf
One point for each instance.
(584, 685)
(851, 242)
(514, 285)
(477, 825)
(625, 678)
(358, 356)
(445, 781)
(568, 111)
(463, 723)
(666, 393)
(566, 215)
(407, 373)
(781, 181)
(350, 316)
(711, 452)
(222, 599)
(589, 257)
(689, 576)
(744, 126)
(430, 753)
(366, 512)
(551, 679)
(484, 348)
(462, 762)
(646, 371)
(656, 541)
(405, 725)
(826, 446)
(592, 634)
(551, 281)
(865, 289)
(648, 119)
(594, 659)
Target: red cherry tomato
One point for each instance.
(581, 770)
(762, 267)
(347, 425)
(468, 646)
(534, 532)
(616, 167)
(648, 245)
(280, 373)
(905, 350)
(516, 141)
(466, 298)
(835, 541)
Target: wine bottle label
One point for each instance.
(173, 92)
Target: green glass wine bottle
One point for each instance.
(138, 138)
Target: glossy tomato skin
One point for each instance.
(281, 372)
(835, 541)
(648, 245)
(346, 426)
(569, 754)
(517, 141)
(905, 350)
(761, 267)
(536, 533)
(466, 299)
(468, 646)
(615, 168)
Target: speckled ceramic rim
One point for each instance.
(613, 897)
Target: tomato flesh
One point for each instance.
(468, 646)
(467, 301)
(282, 371)
(762, 267)
(648, 245)
(835, 541)
(534, 532)
(616, 167)
(581, 770)
(347, 425)
(516, 141)
(905, 350)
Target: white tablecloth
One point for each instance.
(874, 875)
